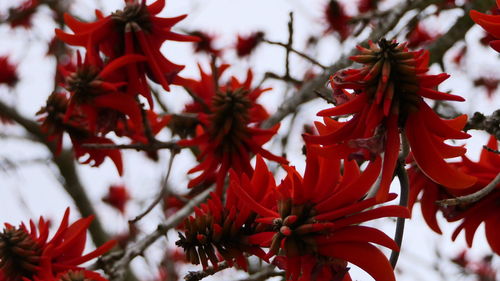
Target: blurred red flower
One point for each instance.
(337, 19)
(117, 197)
(8, 72)
(245, 45)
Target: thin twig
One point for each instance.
(306, 92)
(157, 97)
(289, 45)
(65, 163)
(496, 151)
(471, 198)
(198, 275)
(403, 201)
(163, 191)
(137, 146)
(299, 53)
(148, 132)
(115, 264)
(263, 274)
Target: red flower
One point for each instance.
(471, 216)
(8, 73)
(205, 43)
(229, 132)
(117, 197)
(219, 232)
(388, 97)
(21, 15)
(28, 254)
(337, 19)
(315, 219)
(490, 23)
(97, 94)
(134, 30)
(246, 45)
(419, 37)
(487, 209)
(54, 124)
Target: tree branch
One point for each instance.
(403, 201)
(156, 145)
(115, 264)
(198, 275)
(471, 198)
(307, 91)
(66, 166)
(490, 124)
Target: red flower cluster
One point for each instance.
(486, 210)
(122, 52)
(388, 97)
(491, 24)
(134, 30)
(28, 254)
(229, 131)
(309, 223)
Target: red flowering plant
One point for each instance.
(28, 254)
(471, 214)
(388, 99)
(311, 223)
(229, 132)
(134, 30)
(229, 208)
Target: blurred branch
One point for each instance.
(163, 190)
(490, 124)
(471, 198)
(299, 53)
(457, 31)
(156, 145)
(115, 264)
(307, 91)
(263, 274)
(66, 166)
(198, 275)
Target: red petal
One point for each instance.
(364, 255)
(390, 157)
(357, 233)
(429, 159)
